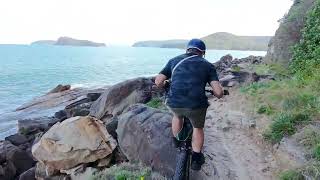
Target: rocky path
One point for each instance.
(230, 149)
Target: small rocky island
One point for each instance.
(68, 41)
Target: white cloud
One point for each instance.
(127, 21)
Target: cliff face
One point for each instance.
(289, 32)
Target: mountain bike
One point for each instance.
(184, 147)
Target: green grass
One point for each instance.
(265, 109)
(156, 103)
(317, 152)
(310, 171)
(310, 139)
(288, 102)
(277, 70)
(236, 69)
(291, 175)
(284, 125)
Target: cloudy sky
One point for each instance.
(127, 21)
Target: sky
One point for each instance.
(123, 22)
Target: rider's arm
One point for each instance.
(217, 89)
(160, 78)
(164, 74)
(213, 80)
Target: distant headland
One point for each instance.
(219, 41)
(67, 41)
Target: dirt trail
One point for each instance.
(231, 150)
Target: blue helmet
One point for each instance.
(197, 44)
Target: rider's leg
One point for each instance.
(177, 123)
(197, 139)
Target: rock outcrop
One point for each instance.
(74, 141)
(120, 96)
(60, 88)
(234, 72)
(289, 33)
(144, 135)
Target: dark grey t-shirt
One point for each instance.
(188, 83)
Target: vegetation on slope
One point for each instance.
(294, 102)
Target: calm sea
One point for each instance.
(29, 71)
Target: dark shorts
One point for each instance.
(196, 116)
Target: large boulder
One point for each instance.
(144, 135)
(72, 142)
(120, 96)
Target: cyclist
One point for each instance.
(189, 73)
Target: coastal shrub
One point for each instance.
(124, 171)
(284, 124)
(291, 175)
(306, 54)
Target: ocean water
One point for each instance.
(30, 71)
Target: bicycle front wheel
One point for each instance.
(181, 165)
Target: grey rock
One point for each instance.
(28, 175)
(120, 96)
(8, 171)
(17, 139)
(112, 127)
(93, 96)
(60, 88)
(61, 115)
(144, 135)
(20, 159)
(29, 126)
